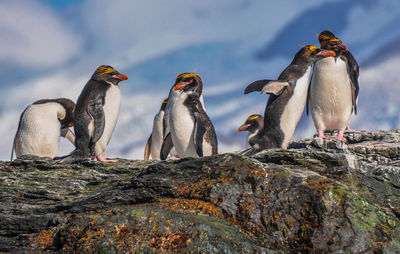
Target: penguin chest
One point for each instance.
(182, 127)
(39, 130)
(330, 94)
(157, 136)
(294, 107)
(112, 102)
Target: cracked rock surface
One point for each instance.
(319, 196)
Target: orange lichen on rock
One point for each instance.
(256, 172)
(196, 190)
(187, 206)
(44, 239)
(319, 185)
(169, 242)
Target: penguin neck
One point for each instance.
(111, 83)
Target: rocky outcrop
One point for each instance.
(318, 196)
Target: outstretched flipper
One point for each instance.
(147, 149)
(275, 87)
(166, 147)
(256, 86)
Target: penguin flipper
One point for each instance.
(199, 130)
(275, 87)
(14, 147)
(166, 147)
(354, 99)
(147, 149)
(68, 134)
(354, 71)
(308, 97)
(256, 86)
(95, 110)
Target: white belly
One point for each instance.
(157, 137)
(182, 128)
(111, 106)
(294, 108)
(39, 131)
(330, 94)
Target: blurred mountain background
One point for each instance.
(49, 49)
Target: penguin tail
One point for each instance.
(74, 157)
(248, 152)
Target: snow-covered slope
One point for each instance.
(229, 43)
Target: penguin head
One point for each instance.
(330, 42)
(69, 106)
(253, 123)
(189, 83)
(108, 74)
(164, 104)
(312, 54)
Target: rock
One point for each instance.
(319, 196)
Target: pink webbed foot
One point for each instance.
(322, 135)
(340, 136)
(94, 158)
(349, 129)
(104, 159)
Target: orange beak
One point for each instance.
(244, 127)
(70, 124)
(326, 53)
(120, 76)
(342, 47)
(181, 85)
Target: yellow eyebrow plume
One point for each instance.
(309, 50)
(105, 70)
(252, 117)
(324, 37)
(327, 41)
(189, 75)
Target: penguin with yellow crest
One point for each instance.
(254, 125)
(191, 131)
(334, 88)
(287, 99)
(96, 114)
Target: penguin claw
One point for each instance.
(104, 159)
(349, 129)
(340, 136)
(322, 135)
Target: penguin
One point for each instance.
(154, 143)
(254, 125)
(288, 98)
(333, 88)
(40, 126)
(96, 114)
(191, 131)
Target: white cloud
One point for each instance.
(32, 36)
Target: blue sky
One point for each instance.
(60, 4)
